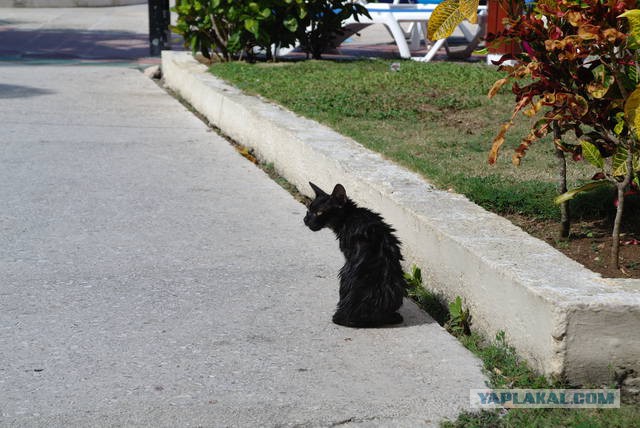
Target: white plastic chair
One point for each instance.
(417, 14)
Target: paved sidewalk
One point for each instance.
(151, 276)
(76, 34)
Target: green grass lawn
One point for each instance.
(433, 118)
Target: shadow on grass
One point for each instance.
(534, 198)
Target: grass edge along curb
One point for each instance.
(505, 369)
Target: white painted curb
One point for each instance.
(564, 319)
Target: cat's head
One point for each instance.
(324, 208)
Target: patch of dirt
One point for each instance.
(468, 122)
(589, 243)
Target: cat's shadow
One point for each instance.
(413, 315)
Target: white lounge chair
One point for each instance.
(392, 15)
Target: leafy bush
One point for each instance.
(580, 65)
(580, 57)
(233, 28)
(322, 23)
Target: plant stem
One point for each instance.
(622, 188)
(220, 38)
(565, 216)
(615, 235)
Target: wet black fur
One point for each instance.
(371, 281)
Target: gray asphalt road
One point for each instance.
(105, 33)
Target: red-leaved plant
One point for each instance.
(580, 62)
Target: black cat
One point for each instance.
(371, 281)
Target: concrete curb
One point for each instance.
(68, 3)
(564, 319)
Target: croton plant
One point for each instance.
(577, 71)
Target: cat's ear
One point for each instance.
(318, 191)
(339, 194)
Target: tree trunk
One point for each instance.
(565, 216)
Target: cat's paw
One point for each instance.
(394, 318)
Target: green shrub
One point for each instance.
(233, 28)
(322, 23)
(229, 28)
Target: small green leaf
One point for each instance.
(573, 192)
(592, 154)
(631, 73)
(291, 24)
(619, 162)
(631, 113)
(601, 83)
(455, 307)
(417, 274)
(252, 26)
(620, 123)
(633, 16)
(233, 43)
(194, 45)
